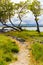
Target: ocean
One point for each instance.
(28, 28)
(33, 28)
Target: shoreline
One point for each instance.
(26, 28)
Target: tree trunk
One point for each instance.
(9, 26)
(11, 22)
(37, 27)
(16, 27)
(19, 26)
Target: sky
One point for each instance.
(30, 16)
(41, 1)
(17, 1)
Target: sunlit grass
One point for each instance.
(37, 53)
(32, 37)
(26, 34)
(7, 50)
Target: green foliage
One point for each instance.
(24, 34)
(6, 10)
(19, 5)
(6, 47)
(32, 37)
(2, 63)
(15, 49)
(21, 9)
(37, 51)
(35, 7)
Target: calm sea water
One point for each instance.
(28, 28)
(33, 28)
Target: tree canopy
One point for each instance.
(35, 7)
(6, 10)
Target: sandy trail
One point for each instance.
(23, 55)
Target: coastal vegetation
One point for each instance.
(9, 9)
(35, 41)
(35, 8)
(9, 48)
(37, 52)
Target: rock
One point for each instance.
(20, 39)
(41, 42)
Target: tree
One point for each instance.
(35, 8)
(21, 11)
(8, 9)
(6, 12)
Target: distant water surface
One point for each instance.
(28, 28)
(33, 28)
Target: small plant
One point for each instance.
(37, 51)
(15, 58)
(15, 49)
(7, 49)
(2, 62)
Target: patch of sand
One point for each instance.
(23, 55)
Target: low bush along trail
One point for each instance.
(7, 49)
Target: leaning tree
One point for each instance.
(18, 11)
(35, 8)
(21, 10)
(6, 13)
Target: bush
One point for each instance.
(15, 49)
(7, 47)
(7, 57)
(2, 62)
(37, 51)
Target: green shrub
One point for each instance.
(7, 47)
(15, 49)
(2, 62)
(37, 51)
(7, 57)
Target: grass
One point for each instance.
(33, 37)
(27, 35)
(23, 34)
(7, 49)
(37, 53)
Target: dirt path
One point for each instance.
(23, 55)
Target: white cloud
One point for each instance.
(41, 1)
(17, 1)
(29, 16)
(41, 17)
